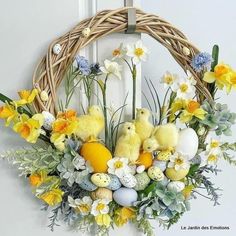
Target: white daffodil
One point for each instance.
(169, 80)
(119, 52)
(82, 206)
(213, 144)
(118, 166)
(138, 52)
(178, 161)
(185, 88)
(213, 156)
(111, 68)
(100, 207)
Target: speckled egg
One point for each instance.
(125, 196)
(164, 156)
(115, 183)
(155, 173)
(101, 179)
(57, 48)
(128, 180)
(102, 193)
(87, 185)
(142, 181)
(140, 169)
(161, 164)
(176, 186)
(48, 120)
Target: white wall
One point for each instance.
(27, 27)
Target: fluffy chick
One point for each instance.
(90, 125)
(143, 126)
(166, 136)
(128, 144)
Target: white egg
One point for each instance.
(86, 32)
(188, 142)
(128, 180)
(125, 196)
(57, 48)
(176, 186)
(140, 169)
(48, 120)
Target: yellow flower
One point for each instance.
(123, 215)
(52, 197)
(177, 105)
(103, 220)
(38, 178)
(192, 109)
(68, 115)
(187, 191)
(58, 140)
(9, 113)
(26, 96)
(63, 126)
(221, 76)
(29, 128)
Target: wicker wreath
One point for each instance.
(51, 69)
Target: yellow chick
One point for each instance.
(150, 144)
(143, 126)
(167, 136)
(128, 144)
(90, 125)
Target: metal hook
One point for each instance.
(131, 17)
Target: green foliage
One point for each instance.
(226, 155)
(218, 117)
(30, 160)
(144, 226)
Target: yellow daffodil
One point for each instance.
(29, 128)
(221, 76)
(58, 140)
(63, 126)
(177, 105)
(192, 109)
(37, 179)
(52, 197)
(103, 220)
(26, 97)
(123, 215)
(68, 115)
(232, 80)
(9, 113)
(187, 191)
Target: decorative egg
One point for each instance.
(86, 32)
(175, 175)
(140, 169)
(102, 193)
(188, 142)
(56, 48)
(101, 179)
(186, 51)
(128, 180)
(44, 96)
(164, 155)
(176, 186)
(125, 196)
(161, 164)
(87, 185)
(132, 169)
(97, 155)
(115, 183)
(165, 181)
(48, 120)
(142, 181)
(155, 173)
(145, 159)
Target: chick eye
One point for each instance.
(142, 112)
(129, 128)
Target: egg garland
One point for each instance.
(94, 165)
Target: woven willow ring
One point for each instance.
(50, 71)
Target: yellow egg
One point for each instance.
(164, 156)
(175, 175)
(97, 155)
(102, 193)
(145, 159)
(101, 179)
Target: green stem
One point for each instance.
(134, 76)
(105, 110)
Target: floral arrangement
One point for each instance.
(96, 170)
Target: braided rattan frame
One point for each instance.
(50, 71)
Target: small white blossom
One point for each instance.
(111, 68)
(118, 166)
(100, 207)
(179, 161)
(83, 206)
